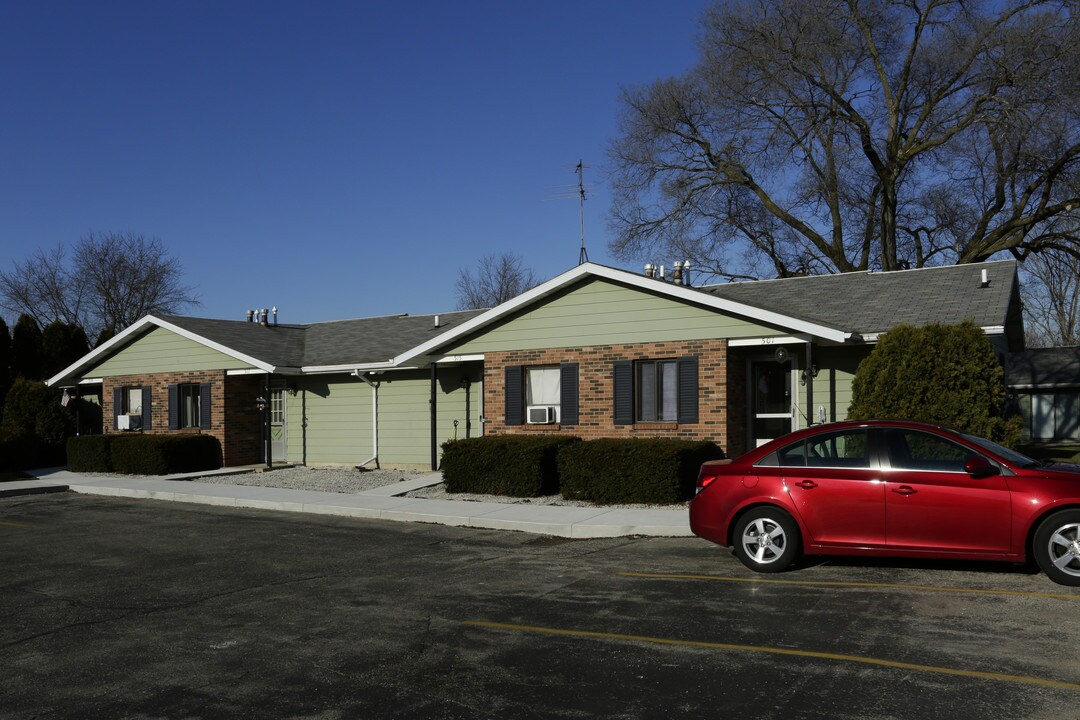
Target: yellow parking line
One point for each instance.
(777, 651)
(838, 583)
(11, 524)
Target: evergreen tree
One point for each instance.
(5, 363)
(27, 352)
(942, 374)
(62, 345)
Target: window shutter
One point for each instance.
(568, 394)
(147, 415)
(117, 404)
(623, 391)
(204, 405)
(515, 395)
(174, 407)
(688, 390)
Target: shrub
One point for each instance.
(33, 409)
(638, 470)
(89, 453)
(942, 374)
(19, 453)
(513, 465)
(144, 454)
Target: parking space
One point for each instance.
(127, 608)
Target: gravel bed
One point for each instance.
(339, 480)
(350, 480)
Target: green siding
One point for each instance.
(605, 313)
(162, 351)
(329, 419)
(836, 370)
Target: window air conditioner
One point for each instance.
(128, 422)
(541, 415)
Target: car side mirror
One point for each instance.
(978, 466)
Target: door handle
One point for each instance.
(904, 490)
(807, 484)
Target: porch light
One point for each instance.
(260, 403)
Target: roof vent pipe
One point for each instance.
(649, 270)
(676, 273)
(274, 310)
(437, 324)
(251, 315)
(985, 280)
(661, 275)
(686, 273)
(262, 316)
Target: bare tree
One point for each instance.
(1052, 299)
(497, 280)
(844, 135)
(109, 282)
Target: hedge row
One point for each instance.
(143, 454)
(639, 470)
(514, 465)
(28, 452)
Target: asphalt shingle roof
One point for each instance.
(340, 342)
(874, 302)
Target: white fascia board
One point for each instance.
(640, 281)
(224, 350)
(767, 341)
(100, 350)
(90, 381)
(137, 329)
(1046, 386)
(460, 359)
(354, 368)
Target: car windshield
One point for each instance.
(1001, 451)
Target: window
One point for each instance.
(1055, 416)
(188, 397)
(531, 391)
(543, 389)
(656, 391)
(132, 401)
(913, 450)
(846, 449)
(189, 405)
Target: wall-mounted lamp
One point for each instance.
(260, 403)
(292, 390)
(812, 373)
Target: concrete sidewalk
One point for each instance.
(383, 503)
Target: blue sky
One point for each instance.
(334, 159)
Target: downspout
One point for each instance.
(434, 421)
(374, 419)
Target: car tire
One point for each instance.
(1056, 547)
(767, 540)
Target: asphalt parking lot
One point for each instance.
(120, 608)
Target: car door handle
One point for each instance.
(807, 484)
(904, 490)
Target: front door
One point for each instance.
(770, 400)
(277, 421)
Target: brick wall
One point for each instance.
(595, 393)
(234, 419)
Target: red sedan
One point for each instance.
(891, 488)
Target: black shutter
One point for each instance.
(174, 407)
(204, 405)
(688, 390)
(515, 395)
(623, 391)
(117, 405)
(568, 393)
(146, 407)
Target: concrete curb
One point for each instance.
(384, 503)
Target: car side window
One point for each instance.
(914, 450)
(843, 449)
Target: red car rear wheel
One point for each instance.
(767, 540)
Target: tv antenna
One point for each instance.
(578, 191)
(583, 256)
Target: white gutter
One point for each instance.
(374, 418)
